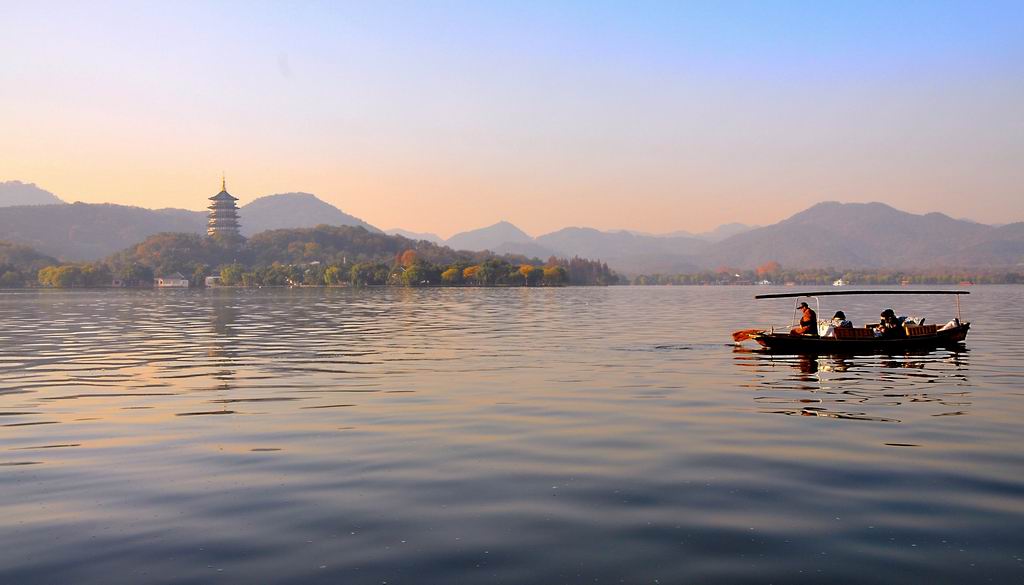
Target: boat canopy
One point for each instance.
(834, 293)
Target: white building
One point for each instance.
(176, 280)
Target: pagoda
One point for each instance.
(223, 217)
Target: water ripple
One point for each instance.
(504, 435)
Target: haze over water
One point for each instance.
(498, 436)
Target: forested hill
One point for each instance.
(181, 252)
(343, 249)
(20, 264)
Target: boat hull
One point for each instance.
(804, 344)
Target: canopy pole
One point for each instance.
(958, 307)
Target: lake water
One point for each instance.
(576, 435)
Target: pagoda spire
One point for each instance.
(223, 182)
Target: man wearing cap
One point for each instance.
(808, 321)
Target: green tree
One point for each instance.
(367, 273)
(332, 276)
(199, 274)
(231, 275)
(555, 276)
(531, 275)
(12, 279)
(421, 273)
(95, 275)
(135, 274)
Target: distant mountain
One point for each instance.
(830, 234)
(624, 251)
(1002, 246)
(416, 236)
(627, 251)
(725, 231)
(18, 193)
(293, 210)
(88, 231)
(490, 237)
(528, 249)
(856, 235)
(716, 235)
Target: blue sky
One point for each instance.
(444, 116)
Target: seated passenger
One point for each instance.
(839, 321)
(808, 322)
(890, 325)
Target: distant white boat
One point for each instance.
(840, 282)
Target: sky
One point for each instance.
(446, 116)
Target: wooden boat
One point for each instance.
(861, 339)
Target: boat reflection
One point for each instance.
(879, 385)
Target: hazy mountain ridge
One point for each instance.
(487, 238)
(716, 235)
(828, 234)
(627, 251)
(13, 193)
(858, 235)
(90, 231)
(415, 236)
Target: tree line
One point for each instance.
(321, 256)
(774, 273)
(416, 272)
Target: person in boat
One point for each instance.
(839, 321)
(808, 321)
(890, 325)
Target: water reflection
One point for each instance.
(826, 385)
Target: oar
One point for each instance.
(745, 334)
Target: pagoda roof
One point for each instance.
(223, 196)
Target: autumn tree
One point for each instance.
(407, 258)
(452, 276)
(469, 274)
(63, 276)
(767, 269)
